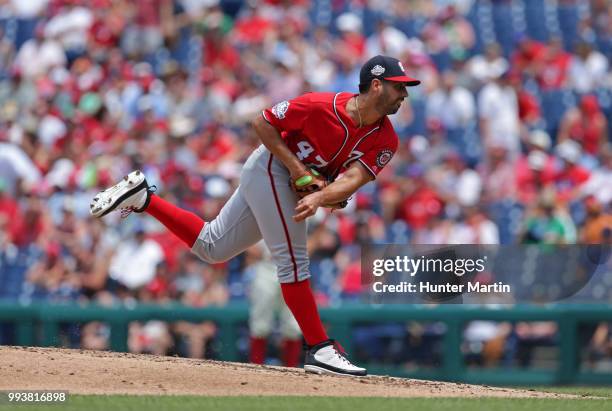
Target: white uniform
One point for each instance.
(266, 302)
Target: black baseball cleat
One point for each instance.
(132, 193)
(325, 358)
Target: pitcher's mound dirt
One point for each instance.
(97, 372)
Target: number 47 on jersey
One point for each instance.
(305, 151)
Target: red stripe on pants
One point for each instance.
(280, 213)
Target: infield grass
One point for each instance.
(605, 392)
(187, 403)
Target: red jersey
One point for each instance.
(318, 130)
(587, 131)
(553, 74)
(421, 206)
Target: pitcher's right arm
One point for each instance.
(271, 138)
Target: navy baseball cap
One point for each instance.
(385, 68)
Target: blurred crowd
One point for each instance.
(506, 141)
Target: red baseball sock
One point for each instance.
(300, 300)
(257, 352)
(184, 224)
(292, 349)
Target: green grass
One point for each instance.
(605, 392)
(187, 403)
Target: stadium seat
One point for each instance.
(503, 24)
(554, 105)
(507, 215)
(568, 23)
(472, 17)
(535, 14)
(604, 97)
(418, 125)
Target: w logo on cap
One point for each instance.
(377, 70)
(387, 68)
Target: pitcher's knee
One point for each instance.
(209, 253)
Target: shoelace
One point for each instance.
(343, 359)
(341, 353)
(126, 211)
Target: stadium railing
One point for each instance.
(39, 325)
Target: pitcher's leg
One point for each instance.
(230, 233)
(272, 203)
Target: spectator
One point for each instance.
(532, 175)
(252, 26)
(95, 335)
(351, 42)
(145, 33)
(529, 109)
(526, 336)
(485, 341)
(570, 175)
(7, 54)
(476, 228)
(134, 263)
(285, 81)
(11, 219)
(451, 105)
(438, 38)
(458, 184)
(418, 62)
(588, 69)
(387, 40)
(422, 202)
(180, 98)
(152, 337)
(598, 226)
(498, 114)
(70, 27)
(600, 345)
(536, 169)
(586, 124)
(552, 69)
(528, 56)
(598, 183)
(106, 28)
(497, 174)
(39, 55)
(543, 225)
(203, 286)
(491, 65)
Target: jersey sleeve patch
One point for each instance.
(280, 109)
(383, 158)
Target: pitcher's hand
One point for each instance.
(307, 206)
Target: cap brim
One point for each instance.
(404, 79)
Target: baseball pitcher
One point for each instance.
(307, 143)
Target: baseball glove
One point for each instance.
(311, 182)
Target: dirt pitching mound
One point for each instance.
(98, 372)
